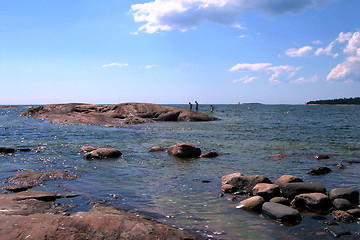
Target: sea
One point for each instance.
(185, 192)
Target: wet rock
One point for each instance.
(15, 188)
(280, 200)
(319, 171)
(228, 188)
(184, 150)
(287, 179)
(266, 190)
(87, 148)
(341, 204)
(342, 216)
(354, 212)
(350, 237)
(23, 150)
(231, 178)
(157, 149)
(27, 180)
(351, 194)
(279, 155)
(7, 150)
(102, 153)
(247, 182)
(340, 166)
(338, 231)
(312, 201)
(281, 212)
(251, 204)
(322, 156)
(210, 154)
(290, 190)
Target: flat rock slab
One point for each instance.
(281, 213)
(290, 190)
(33, 215)
(113, 115)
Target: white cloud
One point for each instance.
(115, 64)
(238, 26)
(241, 36)
(166, 15)
(327, 50)
(343, 37)
(278, 73)
(317, 42)
(306, 80)
(150, 66)
(349, 70)
(299, 52)
(246, 79)
(245, 67)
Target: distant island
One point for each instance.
(340, 101)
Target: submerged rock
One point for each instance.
(156, 149)
(112, 115)
(7, 150)
(281, 213)
(102, 153)
(319, 171)
(279, 155)
(210, 154)
(184, 150)
(322, 156)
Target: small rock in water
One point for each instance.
(87, 148)
(279, 155)
(342, 216)
(184, 150)
(319, 171)
(322, 156)
(7, 150)
(210, 154)
(338, 231)
(156, 149)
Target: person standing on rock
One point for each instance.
(196, 106)
(212, 108)
(190, 106)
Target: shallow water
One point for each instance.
(185, 192)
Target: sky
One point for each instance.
(176, 51)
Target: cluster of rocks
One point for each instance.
(284, 199)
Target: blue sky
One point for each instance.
(176, 51)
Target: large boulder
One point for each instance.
(351, 194)
(266, 190)
(101, 153)
(251, 204)
(312, 201)
(290, 190)
(7, 150)
(184, 150)
(113, 115)
(281, 212)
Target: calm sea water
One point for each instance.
(185, 192)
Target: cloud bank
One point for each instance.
(166, 15)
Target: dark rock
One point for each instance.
(184, 150)
(354, 212)
(266, 190)
(319, 171)
(322, 156)
(312, 201)
(353, 161)
(251, 204)
(228, 188)
(87, 148)
(210, 154)
(280, 200)
(340, 166)
(245, 182)
(350, 237)
(342, 216)
(23, 150)
(102, 153)
(351, 194)
(281, 213)
(287, 179)
(290, 190)
(113, 115)
(338, 231)
(7, 150)
(156, 149)
(341, 204)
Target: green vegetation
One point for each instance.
(352, 101)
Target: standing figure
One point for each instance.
(190, 106)
(196, 106)
(212, 108)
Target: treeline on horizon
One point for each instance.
(352, 101)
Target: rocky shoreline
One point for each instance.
(113, 115)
